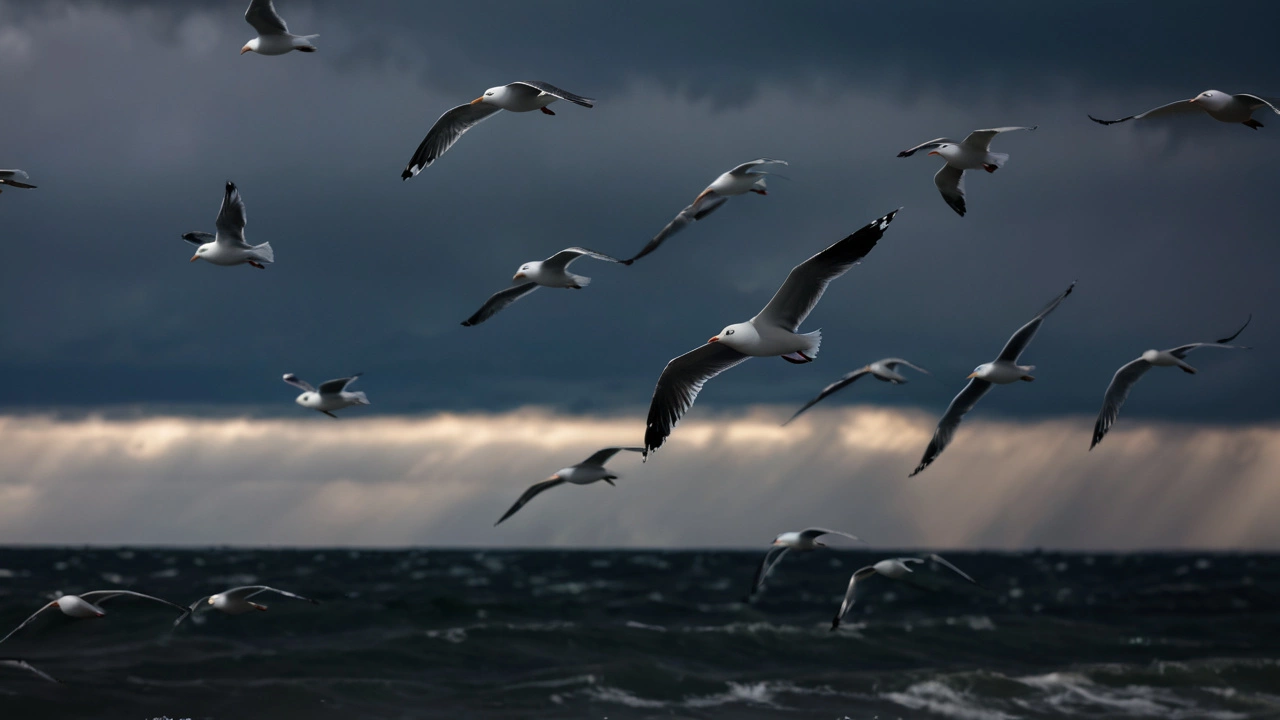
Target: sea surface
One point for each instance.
(646, 634)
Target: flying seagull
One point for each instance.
(771, 333)
(331, 395)
(1003, 370)
(552, 272)
(1128, 374)
(584, 473)
(273, 35)
(742, 179)
(523, 96)
(236, 601)
(885, 370)
(802, 541)
(14, 178)
(1221, 106)
(228, 247)
(88, 605)
(972, 153)
(895, 569)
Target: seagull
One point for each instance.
(896, 569)
(885, 370)
(737, 181)
(523, 96)
(771, 333)
(273, 35)
(552, 272)
(88, 605)
(802, 541)
(1003, 370)
(1221, 106)
(228, 246)
(584, 473)
(1128, 374)
(969, 154)
(24, 665)
(332, 394)
(7, 178)
(236, 601)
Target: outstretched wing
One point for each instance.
(498, 301)
(1022, 338)
(814, 533)
(1117, 392)
(298, 382)
(24, 665)
(960, 405)
(850, 594)
(843, 382)
(557, 92)
(561, 260)
(926, 146)
(100, 596)
(451, 126)
(199, 238)
(893, 363)
(950, 182)
(1258, 101)
(746, 166)
(706, 203)
(26, 622)
(938, 559)
(600, 457)
(337, 385)
(981, 139)
(248, 591)
(770, 559)
(263, 17)
(1236, 333)
(679, 385)
(231, 218)
(1173, 108)
(529, 495)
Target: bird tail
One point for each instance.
(360, 398)
(580, 280)
(816, 338)
(997, 159)
(264, 252)
(304, 41)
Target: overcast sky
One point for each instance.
(130, 116)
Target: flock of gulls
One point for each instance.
(773, 332)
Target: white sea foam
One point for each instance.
(940, 699)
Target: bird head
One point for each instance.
(736, 335)
(944, 151)
(525, 271)
(200, 252)
(251, 46)
(981, 371)
(1211, 99)
(490, 95)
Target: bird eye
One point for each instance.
(728, 332)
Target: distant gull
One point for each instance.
(584, 473)
(740, 180)
(24, 665)
(771, 333)
(552, 272)
(971, 153)
(236, 601)
(88, 605)
(331, 395)
(1128, 374)
(802, 541)
(895, 569)
(273, 35)
(1221, 106)
(1003, 370)
(14, 178)
(228, 247)
(885, 370)
(523, 96)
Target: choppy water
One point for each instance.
(612, 634)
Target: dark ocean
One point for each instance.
(647, 634)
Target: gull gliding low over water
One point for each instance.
(1128, 374)
(803, 541)
(972, 153)
(552, 272)
(273, 34)
(88, 605)
(584, 473)
(894, 569)
(330, 396)
(228, 247)
(1223, 107)
(236, 601)
(885, 370)
(771, 333)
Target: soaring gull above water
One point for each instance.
(273, 34)
(552, 272)
(1003, 370)
(740, 180)
(228, 246)
(885, 370)
(1221, 106)
(15, 178)
(894, 569)
(771, 333)
(802, 541)
(972, 153)
(88, 605)
(522, 96)
(237, 601)
(330, 396)
(1128, 374)
(584, 473)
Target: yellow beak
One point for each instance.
(479, 99)
(194, 257)
(971, 375)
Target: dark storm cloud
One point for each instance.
(131, 115)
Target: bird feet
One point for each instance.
(1028, 378)
(797, 357)
(258, 265)
(1252, 123)
(989, 167)
(546, 111)
(760, 192)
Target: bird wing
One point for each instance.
(1173, 108)
(939, 559)
(746, 166)
(893, 363)
(707, 203)
(1182, 350)
(231, 218)
(556, 92)
(814, 533)
(851, 593)
(561, 260)
(600, 457)
(846, 380)
(960, 405)
(771, 558)
(1022, 338)
(1117, 392)
(249, 591)
(263, 17)
(337, 385)
(193, 609)
(498, 301)
(298, 382)
(98, 597)
(529, 494)
(1258, 101)
(26, 622)
(950, 182)
(451, 126)
(1236, 333)
(926, 146)
(24, 665)
(679, 385)
(199, 238)
(807, 281)
(981, 139)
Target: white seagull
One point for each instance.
(236, 601)
(584, 473)
(802, 541)
(24, 665)
(1128, 374)
(228, 247)
(1221, 106)
(523, 96)
(273, 35)
(895, 569)
(1003, 370)
(88, 605)
(972, 153)
(771, 333)
(552, 272)
(738, 181)
(14, 178)
(331, 395)
(885, 370)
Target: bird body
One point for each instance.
(1223, 107)
(89, 605)
(892, 568)
(884, 370)
(228, 246)
(237, 601)
(802, 541)
(274, 37)
(77, 607)
(552, 272)
(584, 473)
(330, 396)
(972, 153)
